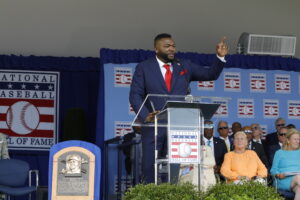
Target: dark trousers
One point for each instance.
(148, 147)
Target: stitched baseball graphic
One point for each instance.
(22, 117)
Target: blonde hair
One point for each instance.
(289, 134)
(243, 134)
(240, 133)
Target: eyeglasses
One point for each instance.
(247, 131)
(280, 124)
(281, 134)
(223, 128)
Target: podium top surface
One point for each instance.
(161, 103)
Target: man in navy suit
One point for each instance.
(281, 136)
(164, 74)
(272, 138)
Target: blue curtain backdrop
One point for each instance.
(79, 83)
(233, 61)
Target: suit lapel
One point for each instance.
(158, 75)
(175, 74)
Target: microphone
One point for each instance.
(177, 61)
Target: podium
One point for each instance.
(178, 128)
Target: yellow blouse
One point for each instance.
(242, 164)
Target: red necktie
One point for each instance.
(168, 77)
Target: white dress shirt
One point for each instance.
(162, 68)
(227, 142)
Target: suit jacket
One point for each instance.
(3, 147)
(220, 150)
(271, 139)
(148, 79)
(259, 149)
(272, 150)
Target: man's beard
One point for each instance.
(165, 57)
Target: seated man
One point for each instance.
(255, 146)
(281, 139)
(218, 145)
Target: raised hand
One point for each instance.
(222, 48)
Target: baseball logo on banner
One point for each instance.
(223, 108)
(123, 76)
(257, 82)
(29, 108)
(271, 108)
(282, 83)
(232, 81)
(122, 128)
(245, 108)
(206, 85)
(293, 109)
(183, 146)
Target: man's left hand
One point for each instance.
(222, 48)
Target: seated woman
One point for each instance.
(189, 172)
(286, 164)
(242, 164)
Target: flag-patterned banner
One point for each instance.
(184, 146)
(271, 108)
(29, 108)
(232, 81)
(123, 76)
(246, 108)
(282, 83)
(258, 82)
(223, 108)
(122, 128)
(206, 85)
(293, 109)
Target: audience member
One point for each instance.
(218, 146)
(281, 139)
(223, 131)
(189, 172)
(235, 127)
(289, 126)
(272, 138)
(286, 164)
(242, 164)
(255, 146)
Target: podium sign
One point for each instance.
(184, 146)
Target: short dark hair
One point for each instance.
(161, 36)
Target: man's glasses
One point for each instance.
(223, 128)
(281, 134)
(280, 125)
(248, 131)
